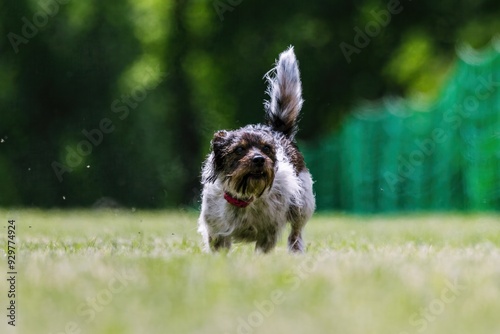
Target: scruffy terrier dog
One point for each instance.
(255, 178)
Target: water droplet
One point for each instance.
(88, 166)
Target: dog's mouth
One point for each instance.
(251, 181)
(257, 174)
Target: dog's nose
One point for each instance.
(258, 160)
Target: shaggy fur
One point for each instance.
(255, 179)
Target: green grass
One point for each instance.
(144, 272)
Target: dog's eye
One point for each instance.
(266, 149)
(239, 150)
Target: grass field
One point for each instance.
(144, 272)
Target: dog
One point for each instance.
(255, 179)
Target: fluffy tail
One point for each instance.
(285, 93)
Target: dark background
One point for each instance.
(150, 81)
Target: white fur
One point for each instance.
(285, 93)
(270, 211)
(290, 199)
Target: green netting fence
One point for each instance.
(399, 155)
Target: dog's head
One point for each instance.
(244, 160)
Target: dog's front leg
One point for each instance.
(266, 241)
(219, 242)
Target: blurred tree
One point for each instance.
(64, 67)
(183, 120)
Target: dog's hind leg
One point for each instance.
(299, 215)
(295, 241)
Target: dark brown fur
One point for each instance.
(233, 154)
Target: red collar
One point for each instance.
(237, 202)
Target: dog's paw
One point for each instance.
(296, 244)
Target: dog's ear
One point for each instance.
(219, 140)
(216, 159)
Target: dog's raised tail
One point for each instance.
(285, 94)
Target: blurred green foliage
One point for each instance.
(412, 155)
(164, 75)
